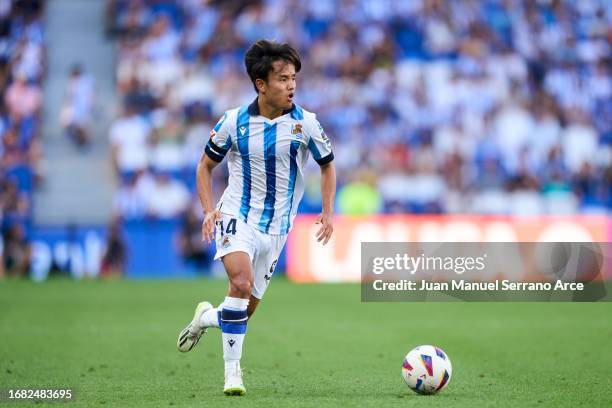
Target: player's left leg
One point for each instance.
(210, 317)
(248, 282)
(233, 318)
(190, 335)
(263, 269)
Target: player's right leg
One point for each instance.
(238, 238)
(190, 335)
(205, 317)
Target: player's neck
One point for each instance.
(268, 111)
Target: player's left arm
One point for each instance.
(319, 146)
(328, 194)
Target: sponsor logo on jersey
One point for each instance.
(325, 139)
(242, 130)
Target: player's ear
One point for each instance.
(260, 84)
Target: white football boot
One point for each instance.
(233, 379)
(190, 335)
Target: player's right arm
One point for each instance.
(204, 185)
(216, 149)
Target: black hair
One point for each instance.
(261, 55)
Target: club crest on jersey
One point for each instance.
(296, 130)
(226, 242)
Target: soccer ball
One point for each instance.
(427, 369)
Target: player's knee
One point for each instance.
(241, 287)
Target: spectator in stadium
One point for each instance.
(130, 198)
(167, 144)
(115, 254)
(190, 240)
(15, 204)
(360, 197)
(78, 106)
(16, 255)
(167, 198)
(23, 100)
(130, 137)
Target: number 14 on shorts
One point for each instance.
(231, 227)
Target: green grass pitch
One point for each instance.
(307, 346)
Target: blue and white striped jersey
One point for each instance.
(266, 160)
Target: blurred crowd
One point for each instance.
(474, 106)
(22, 69)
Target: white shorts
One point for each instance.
(234, 235)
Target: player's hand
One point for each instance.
(208, 226)
(327, 227)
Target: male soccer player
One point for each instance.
(267, 143)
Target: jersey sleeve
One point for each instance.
(319, 144)
(220, 140)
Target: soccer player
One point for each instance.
(267, 144)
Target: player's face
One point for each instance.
(279, 89)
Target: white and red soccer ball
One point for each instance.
(427, 369)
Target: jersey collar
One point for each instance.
(253, 109)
